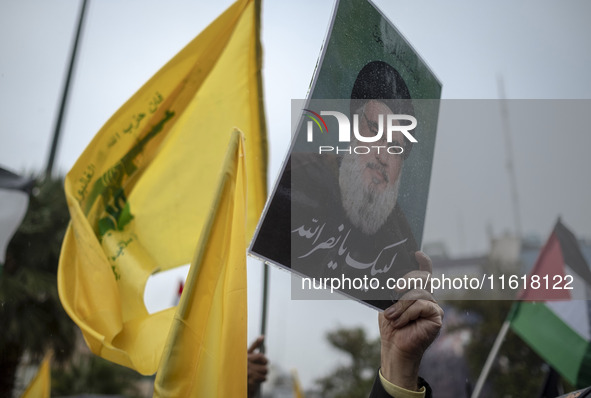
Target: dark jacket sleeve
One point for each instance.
(378, 391)
(585, 393)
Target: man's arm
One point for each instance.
(384, 389)
(257, 367)
(407, 329)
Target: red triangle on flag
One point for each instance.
(541, 281)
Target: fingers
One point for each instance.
(417, 279)
(414, 280)
(408, 299)
(257, 373)
(424, 261)
(256, 366)
(256, 344)
(257, 362)
(417, 287)
(257, 358)
(419, 309)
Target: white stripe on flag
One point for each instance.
(574, 314)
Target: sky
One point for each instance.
(540, 50)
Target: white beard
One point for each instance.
(366, 207)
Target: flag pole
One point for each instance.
(509, 162)
(264, 305)
(262, 347)
(65, 92)
(492, 355)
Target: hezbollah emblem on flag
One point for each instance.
(143, 190)
(116, 213)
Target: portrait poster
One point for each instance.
(349, 206)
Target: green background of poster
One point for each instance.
(361, 34)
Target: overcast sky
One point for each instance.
(540, 48)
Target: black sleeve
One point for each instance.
(378, 391)
(585, 393)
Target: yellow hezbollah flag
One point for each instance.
(140, 193)
(40, 385)
(205, 355)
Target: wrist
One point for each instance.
(400, 369)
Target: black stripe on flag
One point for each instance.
(571, 252)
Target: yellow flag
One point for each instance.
(205, 355)
(141, 192)
(40, 385)
(297, 388)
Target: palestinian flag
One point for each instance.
(14, 200)
(554, 318)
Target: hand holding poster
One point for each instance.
(350, 203)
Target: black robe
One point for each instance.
(307, 230)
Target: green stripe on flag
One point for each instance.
(554, 341)
(585, 369)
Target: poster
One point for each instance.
(348, 210)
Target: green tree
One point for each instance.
(517, 371)
(356, 378)
(32, 318)
(31, 315)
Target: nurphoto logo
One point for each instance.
(386, 131)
